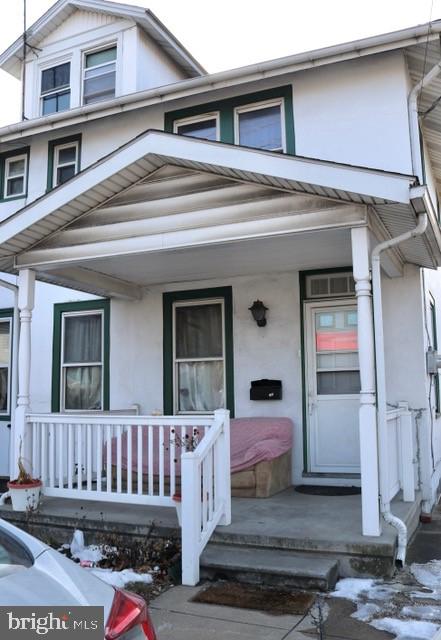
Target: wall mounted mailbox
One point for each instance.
(266, 389)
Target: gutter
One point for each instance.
(227, 79)
(381, 381)
(14, 367)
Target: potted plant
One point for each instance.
(188, 443)
(24, 490)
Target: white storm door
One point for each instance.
(333, 380)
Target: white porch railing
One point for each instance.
(140, 460)
(401, 457)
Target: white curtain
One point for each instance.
(201, 386)
(82, 344)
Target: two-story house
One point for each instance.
(169, 237)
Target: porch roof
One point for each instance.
(53, 229)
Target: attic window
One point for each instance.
(99, 75)
(55, 88)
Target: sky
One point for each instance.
(234, 33)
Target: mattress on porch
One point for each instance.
(252, 440)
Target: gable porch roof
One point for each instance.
(48, 230)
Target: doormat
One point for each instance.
(245, 596)
(325, 490)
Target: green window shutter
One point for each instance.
(87, 305)
(168, 300)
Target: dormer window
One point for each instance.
(99, 75)
(55, 89)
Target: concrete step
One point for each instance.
(270, 567)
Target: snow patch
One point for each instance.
(121, 578)
(415, 629)
(90, 555)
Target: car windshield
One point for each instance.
(13, 556)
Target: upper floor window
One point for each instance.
(260, 126)
(15, 169)
(261, 120)
(99, 75)
(205, 127)
(65, 162)
(55, 88)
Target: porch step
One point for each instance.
(269, 567)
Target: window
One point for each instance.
(199, 356)
(435, 347)
(13, 555)
(64, 156)
(99, 75)
(260, 126)
(330, 285)
(5, 361)
(263, 120)
(65, 162)
(81, 358)
(205, 127)
(55, 89)
(15, 176)
(198, 351)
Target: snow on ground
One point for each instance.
(92, 554)
(408, 607)
(121, 578)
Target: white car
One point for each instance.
(34, 574)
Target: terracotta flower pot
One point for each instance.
(25, 497)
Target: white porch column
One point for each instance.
(26, 290)
(368, 413)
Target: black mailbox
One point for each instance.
(266, 390)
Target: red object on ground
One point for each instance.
(128, 611)
(426, 518)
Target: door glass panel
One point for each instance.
(346, 360)
(336, 343)
(338, 382)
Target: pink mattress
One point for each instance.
(252, 440)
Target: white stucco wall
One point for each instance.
(136, 345)
(355, 112)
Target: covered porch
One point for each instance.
(289, 521)
(163, 212)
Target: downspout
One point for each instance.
(414, 129)
(381, 381)
(14, 367)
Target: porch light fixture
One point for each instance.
(258, 311)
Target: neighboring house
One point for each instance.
(155, 203)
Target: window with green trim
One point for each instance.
(262, 120)
(14, 174)
(198, 351)
(81, 356)
(6, 316)
(64, 159)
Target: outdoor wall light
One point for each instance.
(258, 311)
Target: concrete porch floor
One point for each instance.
(288, 520)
